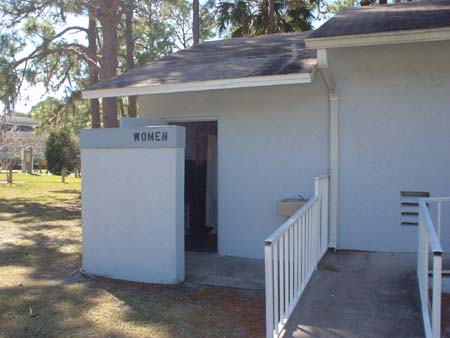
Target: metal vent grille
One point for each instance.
(409, 206)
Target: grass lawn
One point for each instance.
(43, 295)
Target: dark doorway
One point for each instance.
(200, 186)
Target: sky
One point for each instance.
(31, 95)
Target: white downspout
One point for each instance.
(333, 97)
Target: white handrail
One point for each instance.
(433, 240)
(292, 253)
(286, 225)
(429, 239)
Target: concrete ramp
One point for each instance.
(360, 295)
(215, 270)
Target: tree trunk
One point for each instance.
(93, 74)
(9, 176)
(108, 16)
(195, 22)
(272, 26)
(121, 107)
(132, 102)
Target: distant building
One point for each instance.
(17, 134)
(18, 123)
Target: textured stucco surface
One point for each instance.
(394, 136)
(272, 141)
(132, 211)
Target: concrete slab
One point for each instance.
(369, 295)
(212, 269)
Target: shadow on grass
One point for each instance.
(26, 211)
(71, 305)
(66, 191)
(192, 310)
(40, 242)
(41, 274)
(74, 306)
(42, 254)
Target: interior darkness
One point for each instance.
(199, 187)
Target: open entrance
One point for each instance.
(200, 186)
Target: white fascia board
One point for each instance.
(324, 69)
(407, 36)
(257, 81)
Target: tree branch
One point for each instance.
(68, 49)
(45, 44)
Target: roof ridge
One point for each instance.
(418, 15)
(263, 36)
(394, 4)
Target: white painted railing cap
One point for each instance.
(433, 239)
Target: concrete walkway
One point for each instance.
(235, 272)
(360, 295)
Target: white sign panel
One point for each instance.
(143, 137)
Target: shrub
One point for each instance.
(61, 151)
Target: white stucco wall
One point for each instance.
(272, 141)
(132, 211)
(394, 135)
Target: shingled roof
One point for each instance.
(239, 58)
(386, 18)
(18, 120)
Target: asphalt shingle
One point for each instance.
(386, 18)
(222, 59)
(273, 54)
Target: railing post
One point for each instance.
(437, 284)
(286, 276)
(280, 282)
(269, 290)
(424, 276)
(291, 265)
(276, 287)
(316, 186)
(439, 219)
(429, 238)
(292, 253)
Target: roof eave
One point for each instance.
(256, 81)
(393, 37)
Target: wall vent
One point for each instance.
(409, 206)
